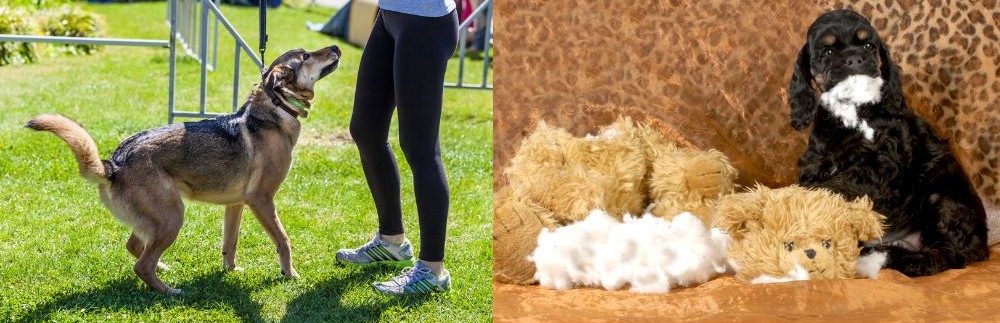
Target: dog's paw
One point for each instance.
(173, 291)
(161, 267)
(231, 267)
(869, 264)
(290, 274)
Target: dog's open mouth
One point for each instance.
(329, 68)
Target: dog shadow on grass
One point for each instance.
(324, 303)
(210, 291)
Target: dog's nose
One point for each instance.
(335, 49)
(854, 60)
(810, 253)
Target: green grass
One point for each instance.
(62, 254)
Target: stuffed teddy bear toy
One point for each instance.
(794, 233)
(688, 180)
(571, 176)
(516, 226)
(556, 179)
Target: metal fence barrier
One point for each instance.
(485, 9)
(84, 40)
(189, 33)
(180, 27)
(192, 33)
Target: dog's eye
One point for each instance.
(826, 243)
(869, 46)
(789, 246)
(826, 53)
(305, 57)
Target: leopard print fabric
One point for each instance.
(948, 51)
(693, 69)
(713, 74)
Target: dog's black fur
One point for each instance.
(906, 169)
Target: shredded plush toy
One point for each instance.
(688, 180)
(648, 254)
(794, 233)
(516, 225)
(557, 179)
(571, 176)
(621, 170)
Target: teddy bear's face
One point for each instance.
(778, 252)
(795, 233)
(823, 256)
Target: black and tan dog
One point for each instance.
(865, 141)
(231, 160)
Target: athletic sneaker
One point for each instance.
(378, 251)
(416, 280)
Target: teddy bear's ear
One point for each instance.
(864, 223)
(739, 214)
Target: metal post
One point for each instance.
(204, 52)
(486, 44)
(232, 31)
(461, 51)
(173, 60)
(191, 39)
(84, 40)
(215, 46)
(236, 78)
(485, 8)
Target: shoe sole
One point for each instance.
(441, 289)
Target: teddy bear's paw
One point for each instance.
(706, 176)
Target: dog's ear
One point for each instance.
(277, 75)
(862, 221)
(741, 213)
(801, 96)
(892, 88)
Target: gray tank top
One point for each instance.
(426, 8)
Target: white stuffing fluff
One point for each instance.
(844, 99)
(869, 265)
(649, 254)
(797, 273)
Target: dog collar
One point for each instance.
(281, 103)
(296, 103)
(284, 102)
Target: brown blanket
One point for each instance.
(714, 74)
(958, 295)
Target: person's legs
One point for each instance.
(422, 49)
(374, 102)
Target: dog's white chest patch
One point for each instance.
(844, 99)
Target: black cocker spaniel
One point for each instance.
(865, 141)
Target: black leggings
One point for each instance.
(403, 67)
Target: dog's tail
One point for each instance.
(83, 146)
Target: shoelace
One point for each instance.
(409, 276)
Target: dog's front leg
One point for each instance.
(231, 235)
(262, 206)
(913, 263)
